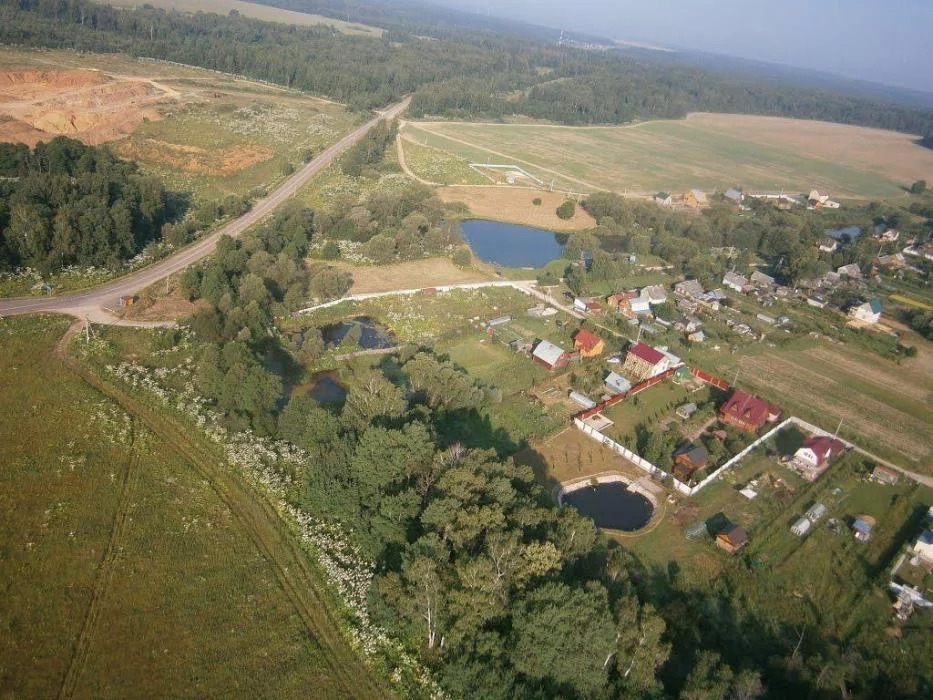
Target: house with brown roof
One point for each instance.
(643, 362)
(748, 412)
(884, 475)
(589, 344)
(733, 539)
(688, 459)
(620, 300)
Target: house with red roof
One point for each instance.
(589, 344)
(815, 454)
(748, 412)
(644, 362)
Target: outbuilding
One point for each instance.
(801, 527)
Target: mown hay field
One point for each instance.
(124, 574)
(885, 407)
(709, 151)
(266, 13)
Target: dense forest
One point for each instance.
(64, 203)
(502, 593)
(519, 75)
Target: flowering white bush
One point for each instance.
(271, 465)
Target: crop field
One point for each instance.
(123, 570)
(710, 151)
(203, 132)
(885, 407)
(267, 13)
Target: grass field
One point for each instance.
(408, 275)
(516, 205)
(125, 573)
(705, 150)
(203, 132)
(266, 13)
(885, 406)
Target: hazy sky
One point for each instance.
(885, 41)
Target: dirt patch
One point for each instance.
(517, 206)
(193, 159)
(163, 301)
(87, 105)
(408, 275)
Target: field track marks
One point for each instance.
(269, 534)
(105, 572)
(593, 187)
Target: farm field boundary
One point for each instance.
(265, 528)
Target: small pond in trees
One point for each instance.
(325, 388)
(512, 245)
(371, 335)
(612, 506)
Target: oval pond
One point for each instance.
(612, 506)
(512, 245)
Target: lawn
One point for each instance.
(711, 151)
(650, 408)
(124, 571)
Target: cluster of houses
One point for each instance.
(696, 199)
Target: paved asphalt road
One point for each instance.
(92, 302)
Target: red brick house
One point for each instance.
(643, 362)
(748, 412)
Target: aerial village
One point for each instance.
(704, 431)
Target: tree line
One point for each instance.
(64, 203)
(520, 75)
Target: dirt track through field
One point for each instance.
(263, 525)
(105, 572)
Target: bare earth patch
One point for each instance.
(194, 159)
(408, 275)
(84, 104)
(516, 206)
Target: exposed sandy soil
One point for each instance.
(193, 159)
(515, 206)
(85, 104)
(158, 303)
(408, 275)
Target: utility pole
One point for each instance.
(838, 428)
(87, 330)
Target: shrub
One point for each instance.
(567, 209)
(536, 201)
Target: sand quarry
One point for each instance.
(37, 105)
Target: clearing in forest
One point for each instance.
(709, 151)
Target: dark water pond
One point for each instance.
(612, 506)
(327, 389)
(512, 245)
(372, 336)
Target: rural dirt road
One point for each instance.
(93, 303)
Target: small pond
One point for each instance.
(326, 389)
(512, 245)
(373, 336)
(612, 506)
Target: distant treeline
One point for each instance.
(64, 203)
(519, 75)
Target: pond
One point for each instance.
(373, 336)
(512, 245)
(611, 506)
(326, 389)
